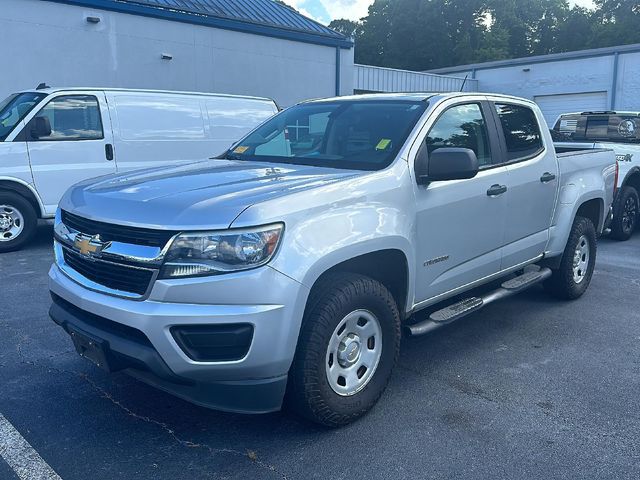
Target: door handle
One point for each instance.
(547, 177)
(495, 190)
(108, 151)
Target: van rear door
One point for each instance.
(69, 139)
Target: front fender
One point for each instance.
(315, 245)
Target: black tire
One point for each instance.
(625, 213)
(309, 392)
(562, 283)
(11, 200)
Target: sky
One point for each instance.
(326, 10)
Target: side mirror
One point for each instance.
(446, 164)
(40, 127)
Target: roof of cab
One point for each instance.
(603, 112)
(50, 90)
(414, 96)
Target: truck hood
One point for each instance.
(203, 195)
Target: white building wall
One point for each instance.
(53, 43)
(628, 84)
(575, 84)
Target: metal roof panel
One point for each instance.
(261, 17)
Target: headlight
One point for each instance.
(209, 253)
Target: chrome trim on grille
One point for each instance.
(127, 252)
(97, 287)
(126, 255)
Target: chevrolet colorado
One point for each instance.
(287, 268)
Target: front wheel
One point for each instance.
(348, 346)
(571, 279)
(625, 214)
(18, 221)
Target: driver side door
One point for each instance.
(460, 224)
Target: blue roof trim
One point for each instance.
(259, 17)
(537, 59)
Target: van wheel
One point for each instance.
(349, 343)
(18, 221)
(625, 214)
(572, 278)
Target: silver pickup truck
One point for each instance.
(289, 267)
(619, 131)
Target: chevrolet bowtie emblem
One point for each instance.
(89, 245)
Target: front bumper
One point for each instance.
(264, 298)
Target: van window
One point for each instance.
(461, 126)
(14, 108)
(73, 117)
(232, 118)
(159, 118)
(521, 131)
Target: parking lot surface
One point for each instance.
(529, 387)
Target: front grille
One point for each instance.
(118, 233)
(115, 276)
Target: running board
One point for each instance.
(469, 305)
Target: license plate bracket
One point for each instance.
(93, 349)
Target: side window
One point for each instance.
(521, 131)
(72, 117)
(462, 126)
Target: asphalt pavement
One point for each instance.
(529, 387)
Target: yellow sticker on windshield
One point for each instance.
(383, 144)
(240, 149)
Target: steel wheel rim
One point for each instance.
(581, 259)
(11, 223)
(629, 214)
(353, 353)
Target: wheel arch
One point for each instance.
(590, 206)
(390, 266)
(25, 190)
(632, 179)
(593, 210)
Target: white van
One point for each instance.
(51, 138)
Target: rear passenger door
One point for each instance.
(532, 181)
(78, 145)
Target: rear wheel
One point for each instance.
(348, 346)
(625, 214)
(18, 221)
(573, 276)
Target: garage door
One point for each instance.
(554, 105)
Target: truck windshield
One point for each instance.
(598, 127)
(361, 135)
(14, 108)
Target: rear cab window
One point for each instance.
(598, 127)
(521, 130)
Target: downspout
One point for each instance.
(614, 81)
(337, 71)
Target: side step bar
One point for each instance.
(464, 307)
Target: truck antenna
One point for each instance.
(463, 82)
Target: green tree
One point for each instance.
(428, 34)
